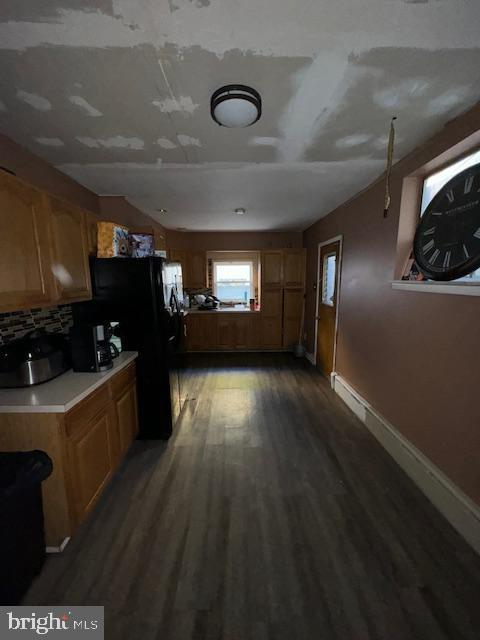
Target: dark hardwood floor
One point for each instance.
(271, 514)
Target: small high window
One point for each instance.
(436, 181)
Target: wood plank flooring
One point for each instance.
(271, 514)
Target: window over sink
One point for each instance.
(233, 281)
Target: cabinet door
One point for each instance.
(254, 331)
(271, 333)
(90, 463)
(225, 333)
(242, 332)
(70, 253)
(272, 268)
(127, 419)
(272, 303)
(196, 269)
(292, 316)
(293, 268)
(25, 278)
(201, 332)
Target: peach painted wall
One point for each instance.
(118, 209)
(415, 357)
(232, 241)
(31, 168)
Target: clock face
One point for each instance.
(447, 239)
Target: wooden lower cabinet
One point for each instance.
(225, 332)
(86, 445)
(292, 316)
(271, 323)
(201, 332)
(271, 332)
(90, 463)
(126, 418)
(243, 332)
(230, 331)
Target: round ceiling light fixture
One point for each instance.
(163, 211)
(236, 105)
(240, 211)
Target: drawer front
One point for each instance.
(122, 379)
(79, 417)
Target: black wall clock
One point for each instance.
(447, 239)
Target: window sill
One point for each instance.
(450, 288)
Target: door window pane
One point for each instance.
(328, 281)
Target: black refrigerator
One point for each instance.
(144, 295)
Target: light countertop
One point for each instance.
(60, 394)
(222, 310)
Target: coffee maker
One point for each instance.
(91, 348)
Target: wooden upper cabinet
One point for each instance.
(196, 275)
(272, 268)
(69, 252)
(293, 268)
(25, 279)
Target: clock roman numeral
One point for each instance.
(429, 232)
(468, 184)
(450, 196)
(437, 213)
(446, 260)
(465, 251)
(434, 256)
(477, 233)
(428, 246)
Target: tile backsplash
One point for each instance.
(17, 323)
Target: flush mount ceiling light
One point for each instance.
(236, 105)
(240, 211)
(163, 211)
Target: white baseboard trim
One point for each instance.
(460, 510)
(59, 549)
(310, 357)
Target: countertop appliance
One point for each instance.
(90, 347)
(145, 297)
(37, 357)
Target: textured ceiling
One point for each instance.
(116, 94)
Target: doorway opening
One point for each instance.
(326, 317)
